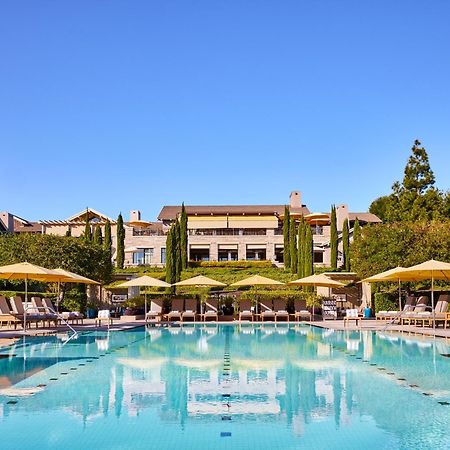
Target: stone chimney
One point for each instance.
(341, 215)
(7, 220)
(135, 215)
(295, 200)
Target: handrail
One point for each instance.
(401, 313)
(52, 311)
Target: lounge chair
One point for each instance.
(156, 308)
(409, 317)
(245, 310)
(40, 309)
(300, 311)
(5, 314)
(211, 310)
(176, 310)
(352, 314)
(279, 306)
(19, 311)
(73, 316)
(190, 310)
(438, 315)
(266, 308)
(392, 315)
(104, 315)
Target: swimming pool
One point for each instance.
(225, 387)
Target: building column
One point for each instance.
(213, 251)
(242, 251)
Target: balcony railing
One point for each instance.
(228, 232)
(147, 232)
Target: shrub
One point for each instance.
(385, 301)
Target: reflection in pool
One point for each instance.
(226, 386)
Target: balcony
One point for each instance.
(228, 232)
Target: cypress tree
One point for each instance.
(169, 257)
(87, 228)
(356, 230)
(183, 238)
(120, 243)
(301, 248)
(107, 242)
(293, 245)
(346, 245)
(98, 238)
(333, 239)
(177, 251)
(286, 243)
(309, 252)
(69, 231)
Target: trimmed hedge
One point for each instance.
(385, 301)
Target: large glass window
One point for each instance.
(163, 255)
(256, 254)
(228, 255)
(199, 254)
(143, 256)
(318, 257)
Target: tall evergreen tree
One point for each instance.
(87, 228)
(69, 231)
(286, 241)
(177, 250)
(356, 230)
(301, 248)
(293, 245)
(98, 238)
(170, 266)
(308, 252)
(346, 245)
(107, 242)
(333, 239)
(184, 237)
(120, 231)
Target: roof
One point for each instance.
(364, 217)
(27, 227)
(171, 212)
(81, 216)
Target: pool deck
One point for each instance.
(9, 335)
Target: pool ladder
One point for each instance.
(52, 311)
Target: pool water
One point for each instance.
(225, 387)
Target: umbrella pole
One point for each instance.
(57, 298)
(145, 307)
(432, 301)
(26, 305)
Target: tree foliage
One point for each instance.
(384, 246)
(356, 230)
(98, 238)
(308, 250)
(120, 232)
(333, 239)
(301, 248)
(415, 198)
(87, 228)
(50, 251)
(286, 240)
(346, 245)
(293, 245)
(184, 237)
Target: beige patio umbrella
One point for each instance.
(319, 280)
(27, 271)
(72, 278)
(199, 280)
(257, 280)
(146, 281)
(428, 270)
(387, 276)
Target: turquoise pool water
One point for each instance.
(225, 387)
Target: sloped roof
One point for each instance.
(364, 217)
(81, 216)
(171, 212)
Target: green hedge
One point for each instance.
(385, 301)
(232, 264)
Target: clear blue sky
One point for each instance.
(121, 105)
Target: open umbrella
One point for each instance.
(257, 280)
(319, 280)
(389, 275)
(428, 270)
(199, 280)
(70, 277)
(147, 281)
(27, 271)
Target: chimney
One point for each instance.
(341, 215)
(295, 200)
(8, 221)
(135, 215)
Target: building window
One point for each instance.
(163, 255)
(228, 255)
(279, 253)
(199, 254)
(255, 254)
(318, 257)
(143, 256)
